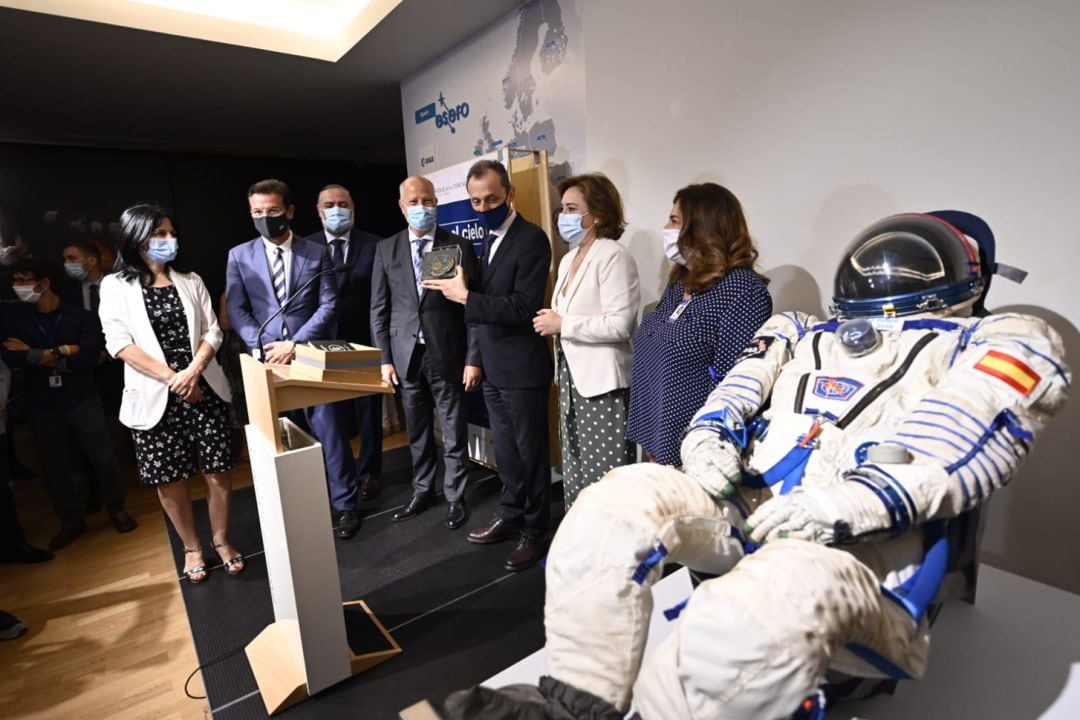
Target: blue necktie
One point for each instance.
(337, 252)
(418, 263)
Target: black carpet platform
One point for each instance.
(457, 615)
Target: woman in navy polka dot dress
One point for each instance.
(710, 310)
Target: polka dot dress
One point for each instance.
(672, 358)
(592, 431)
(167, 452)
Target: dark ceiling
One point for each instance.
(72, 82)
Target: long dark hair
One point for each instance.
(714, 238)
(137, 224)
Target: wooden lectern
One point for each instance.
(314, 642)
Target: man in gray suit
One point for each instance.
(426, 349)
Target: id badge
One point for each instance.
(679, 310)
(56, 382)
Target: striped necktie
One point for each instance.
(418, 263)
(277, 272)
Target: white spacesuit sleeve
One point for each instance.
(717, 435)
(743, 391)
(969, 435)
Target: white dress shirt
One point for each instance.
(86, 292)
(286, 255)
(500, 233)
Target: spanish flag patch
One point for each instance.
(1010, 370)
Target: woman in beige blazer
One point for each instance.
(160, 322)
(593, 315)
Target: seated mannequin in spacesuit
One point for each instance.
(819, 483)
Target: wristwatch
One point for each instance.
(56, 352)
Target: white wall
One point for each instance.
(823, 116)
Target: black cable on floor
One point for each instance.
(208, 663)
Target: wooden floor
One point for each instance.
(108, 634)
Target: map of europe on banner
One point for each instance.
(520, 83)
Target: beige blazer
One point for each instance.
(126, 322)
(599, 315)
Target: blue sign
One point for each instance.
(425, 113)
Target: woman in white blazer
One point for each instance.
(593, 315)
(160, 322)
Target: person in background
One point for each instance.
(515, 360)
(353, 250)
(426, 350)
(160, 322)
(714, 303)
(594, 310)
(289, 283)
(83, 265)
(58, 345)
(13, 545)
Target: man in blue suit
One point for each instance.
(353, 250)
(264, 274)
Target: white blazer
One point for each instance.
(599, 315)
(126, 322)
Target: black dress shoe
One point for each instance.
(370, 487)
(346, 523)
(25, 553)
(123, 522)
(456, 514)
(498, 531)
(525, 555)
(67, 535)
(417, 505)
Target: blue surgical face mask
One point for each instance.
(570, 228)
(337, 220)
(492, 219)
(421, 217)
(162, 250)
(75, 270)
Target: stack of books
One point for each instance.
(336, 361)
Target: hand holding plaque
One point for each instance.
(440, 263)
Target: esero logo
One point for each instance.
(445, 116)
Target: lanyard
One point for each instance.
(50, 334)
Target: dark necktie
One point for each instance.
(337, 252)
(95, 298)
(488, 242)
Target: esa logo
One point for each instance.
(445, 116)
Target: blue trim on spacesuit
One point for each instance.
(878, 662)
(658, 553)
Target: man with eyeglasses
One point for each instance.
(262, 276)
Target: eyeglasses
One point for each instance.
(272, 212)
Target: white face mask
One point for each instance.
(26, 293)
(671, 245)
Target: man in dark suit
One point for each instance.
(264, 274)
(426, 350)
(354, 251)
(516, 362)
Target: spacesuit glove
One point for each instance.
(712, 461)
(834, 514)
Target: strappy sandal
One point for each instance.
(232, 562)
(190, 574)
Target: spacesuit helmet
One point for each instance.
(907, 264)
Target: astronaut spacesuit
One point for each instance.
(819, 483)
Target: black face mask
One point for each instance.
(272, 227)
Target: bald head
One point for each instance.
(416, 193)
(416, 182)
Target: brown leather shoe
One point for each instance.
(498, 531)
(528, 551)
(370, 487)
